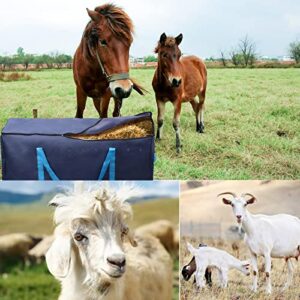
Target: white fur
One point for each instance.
(276, 236)
(83, 267)
(210, 257)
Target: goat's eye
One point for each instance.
(103, 43)
(125, 231)
(164, 55)
(79, 237)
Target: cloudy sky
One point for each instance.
(207, 25)
(143, 188)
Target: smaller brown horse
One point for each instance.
(101, 61)
(178, 79)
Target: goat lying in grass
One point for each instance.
(215, 258)
(89, 255)
(276, 236)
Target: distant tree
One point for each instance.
(247, 50)
(20, 52)
(150, 58)
(223, 59)
(38, 60)
(236, 58)
(48, 60)
(294, 51)
(26, 60)
(60, 59)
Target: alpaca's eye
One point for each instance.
(79, 237)
(103, 43)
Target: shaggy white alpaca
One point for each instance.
(89, 255)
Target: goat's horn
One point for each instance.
(248, 194)
(229, 193)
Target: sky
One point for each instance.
(143, 188)
(208, 26)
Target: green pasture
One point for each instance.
(252, 123)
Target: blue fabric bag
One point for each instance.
(53, 149)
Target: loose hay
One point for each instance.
(132, 130)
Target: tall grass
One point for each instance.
(14, 76)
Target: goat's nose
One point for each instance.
(117, 260)
(239, 216)
(176, 82)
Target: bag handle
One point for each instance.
(43, 164)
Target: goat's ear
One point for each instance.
(251, 200)
(226, 201)
(178, 39)
(163, 38)
(94, 15)
(58, 257)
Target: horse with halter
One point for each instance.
(178, 79)
(101, 61)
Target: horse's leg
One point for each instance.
(81, 101)
(97, 103)
(195, 104)
(104, 103)
(160, 118)
(200, 112)
(176, 123)
(118, 106)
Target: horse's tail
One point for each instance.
(141, 90)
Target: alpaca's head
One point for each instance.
(91, 229)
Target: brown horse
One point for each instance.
(101, 61)
(178, 79)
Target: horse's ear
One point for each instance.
(163, 38)
(178, 39)
(94, 15)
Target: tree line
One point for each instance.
(243, 55)
(52, 60)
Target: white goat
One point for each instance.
(89, 256)
(210, 257)
(276, 236)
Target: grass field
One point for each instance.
(239, 285)
(252, 121)
(35, 282)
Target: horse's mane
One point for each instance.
(117, 20)
(170, 42)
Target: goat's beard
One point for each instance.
(97, 283)
(240, 228)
